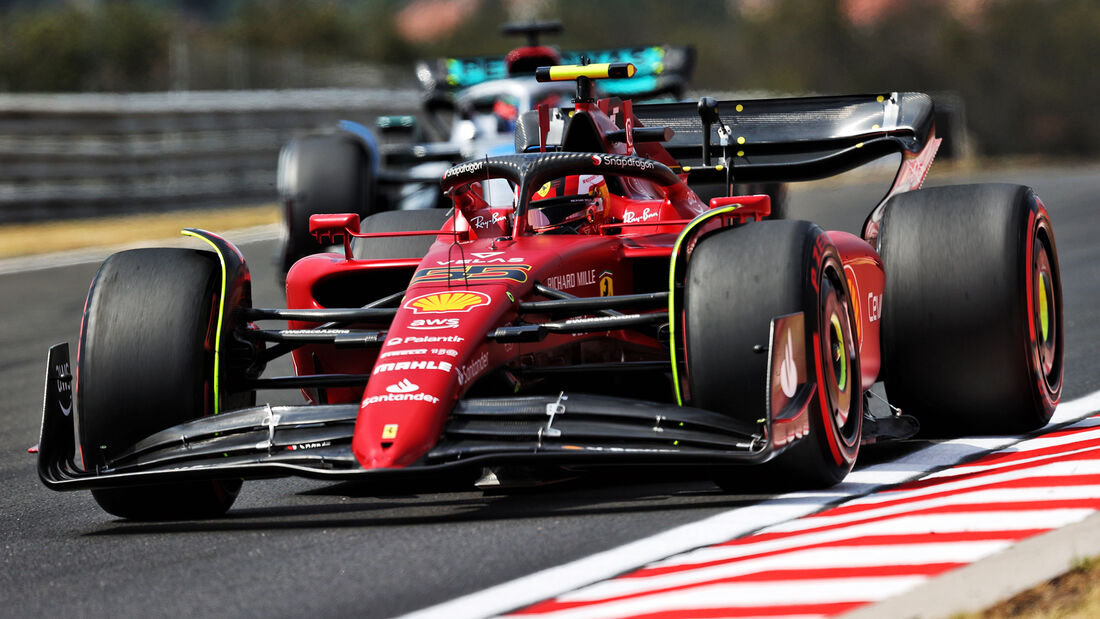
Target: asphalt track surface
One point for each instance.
(297, 547)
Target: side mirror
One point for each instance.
(747, 207)
(334, 229)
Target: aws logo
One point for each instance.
(443, 302)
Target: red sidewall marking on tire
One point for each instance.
(826, 410)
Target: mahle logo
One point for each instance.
(443, 302)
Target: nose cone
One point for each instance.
(435, 339)
(401, 417)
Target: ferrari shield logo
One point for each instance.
(607, 284)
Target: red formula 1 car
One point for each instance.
(579, 306)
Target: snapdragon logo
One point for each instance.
(465, 168)
(623, 162)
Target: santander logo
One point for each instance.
(405, 386)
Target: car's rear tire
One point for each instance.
(397, 247)
(972, 314)
(737, 281)
(145, 364)
(321, 174)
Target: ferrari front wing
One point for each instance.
(314, 441)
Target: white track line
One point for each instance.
(731, 524)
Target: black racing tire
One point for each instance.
(321, 174)
(146, 364)
(737, 281)
(972, 312)
(398, 247)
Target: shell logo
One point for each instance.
(444, 302)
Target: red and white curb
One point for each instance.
(793, 556)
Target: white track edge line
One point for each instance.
(727, 525)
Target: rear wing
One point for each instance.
(662, 70)
(796, 139)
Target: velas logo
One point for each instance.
(444, 302)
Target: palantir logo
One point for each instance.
(405, 386)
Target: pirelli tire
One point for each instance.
(322, 174)
(146, 363)
(737, 280)
(398, 247)
(972, 318)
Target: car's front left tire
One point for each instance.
(737, 281)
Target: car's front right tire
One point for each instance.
(146, 363)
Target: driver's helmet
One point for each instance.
(590, 186)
